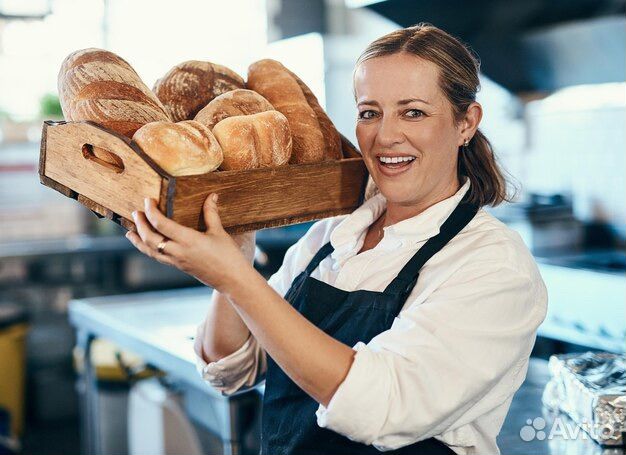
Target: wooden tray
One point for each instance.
(248, 200)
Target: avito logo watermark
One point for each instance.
(562, 428)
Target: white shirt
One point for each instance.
(454, 356)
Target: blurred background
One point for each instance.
(71, 286)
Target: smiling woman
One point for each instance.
(417, 124)
(358, 354)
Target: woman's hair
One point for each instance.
(458, 79)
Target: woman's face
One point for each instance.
(404, 115)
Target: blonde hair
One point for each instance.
(458, 79)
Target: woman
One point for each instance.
(363, 355)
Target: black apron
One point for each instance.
(289, 423)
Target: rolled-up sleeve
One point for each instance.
(242, 369)
(444, 362)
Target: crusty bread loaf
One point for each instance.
(183, 148)
(271, 79)
(189, 86)
(230, 104)
(257, 140)
(332, 139)
(99, 86)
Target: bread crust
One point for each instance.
(189, 86)
(258, 140)
(230, 104)
(182, 148)
(272, 80)
(332, 139)
(276, 121)
(101, 87)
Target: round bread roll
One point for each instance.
(189, 86)
(183, 148)
(230, 104)
(257, 140)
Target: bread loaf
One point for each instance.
(332, 139)
(189, 86)
(99, 86)
(272, 80)
(183, 148)
(230, 104)
(257, 140)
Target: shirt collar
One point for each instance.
(347, 234)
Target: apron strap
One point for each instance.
(404, 283)
(319, 256)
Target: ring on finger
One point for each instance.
(161, 245)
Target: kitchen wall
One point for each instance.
(576, 145)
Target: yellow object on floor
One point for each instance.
(13, 330)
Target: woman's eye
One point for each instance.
(366, 115)
(415, 113)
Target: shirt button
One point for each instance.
(335, 266)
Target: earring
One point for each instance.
(466, 143)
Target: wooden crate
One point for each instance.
(248, 200)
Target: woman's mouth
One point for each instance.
(394, 165)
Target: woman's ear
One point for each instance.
(470, 122)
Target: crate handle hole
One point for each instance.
(103, 157)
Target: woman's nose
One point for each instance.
(389, 132)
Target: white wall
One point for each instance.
(577, 141)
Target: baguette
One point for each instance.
(271, 79)
(332, 139)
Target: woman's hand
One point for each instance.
(213, 257)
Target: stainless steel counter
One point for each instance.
(83, 245)
(585, 307)
(159, 327)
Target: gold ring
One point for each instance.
(161, 246)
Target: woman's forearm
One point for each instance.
(312, 359)
(315, 361)
(224, 330)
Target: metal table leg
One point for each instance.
(89, 432)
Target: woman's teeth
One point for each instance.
(394, 165)
(395, 159)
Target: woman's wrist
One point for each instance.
(244, 286)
